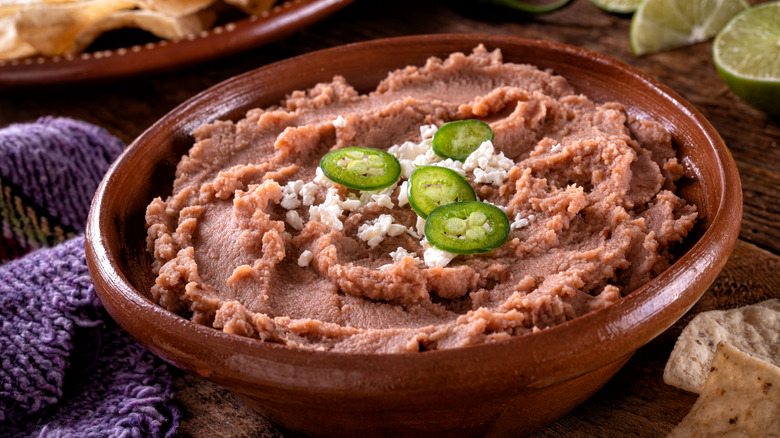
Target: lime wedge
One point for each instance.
(617, 6)
(747, 56)
(665, 24)
(532, 6)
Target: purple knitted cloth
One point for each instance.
(67, 369)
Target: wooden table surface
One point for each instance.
(635, 402)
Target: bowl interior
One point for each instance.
(121, 267)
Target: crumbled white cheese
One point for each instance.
(320, 178)
(305, 258)
(330, 210)
(449, 163)
(374, 231)
(521, 222)
(556, 147)
(307, 192)
(380, 197)
(383, 200)
(494, 177)
(290, 192)
(340, 122)
(294, 219)
(403, 194)
(329, 213)
(351, 204)
(406, 153)
(500, 207)
(411, 154)
(400, 253)
(437, 257)
(419, 231)
(488, 167)
(428, 131)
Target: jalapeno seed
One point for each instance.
(477, 218)
(455, 225)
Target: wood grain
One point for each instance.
(635, 402)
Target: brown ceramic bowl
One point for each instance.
(499, 389)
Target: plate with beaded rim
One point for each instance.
(161, 55)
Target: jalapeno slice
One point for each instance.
(361, 168)
(467, 227)
(457, 140)
(432, 186)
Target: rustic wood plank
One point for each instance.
(208, 410)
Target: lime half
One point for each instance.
(665, 24)
(617, 6)
(747, 55)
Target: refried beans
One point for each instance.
(256, 241)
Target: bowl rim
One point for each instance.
(597, 347)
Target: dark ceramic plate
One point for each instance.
(120, 62)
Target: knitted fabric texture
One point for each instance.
(49, 171)
(67, 369)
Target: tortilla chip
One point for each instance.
(773, 304)
(11, 46)
(175, 8)
(163, 26)
(56, 27)
(753, 329)
(252, 6)
(52, 29)
(740, 398)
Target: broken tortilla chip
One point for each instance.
(66, 27)
(11, 47)
(252, 6)
(754, 329)
(163, 26)
(52, 30)
(740, 398)
(175, 8)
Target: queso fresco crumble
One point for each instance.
(465, 201)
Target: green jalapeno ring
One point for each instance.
(432, 186)
(467, 227)
(457, 140)
(361, 168)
